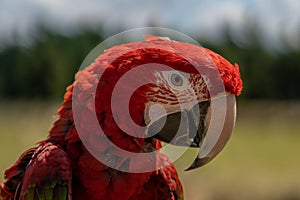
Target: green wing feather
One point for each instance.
(51, 191)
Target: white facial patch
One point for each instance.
(156, 111)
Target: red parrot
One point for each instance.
(64, 166)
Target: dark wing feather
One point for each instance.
(42, 173)
(14, 176)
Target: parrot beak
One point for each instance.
(182, 128)
(215, 140)
(198, 127)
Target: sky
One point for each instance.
(278, 20)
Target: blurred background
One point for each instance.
(43, 43)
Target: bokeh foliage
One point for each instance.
(46, 67)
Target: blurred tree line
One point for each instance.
(45, 68)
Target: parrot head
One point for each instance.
(176, 92)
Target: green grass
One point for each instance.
(22, 125)
(261, 160)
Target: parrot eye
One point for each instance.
(176, 80)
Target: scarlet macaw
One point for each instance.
(63, 167)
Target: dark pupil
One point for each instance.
(176, 80)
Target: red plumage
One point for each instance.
(61, 166)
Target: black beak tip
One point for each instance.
(198, 162)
